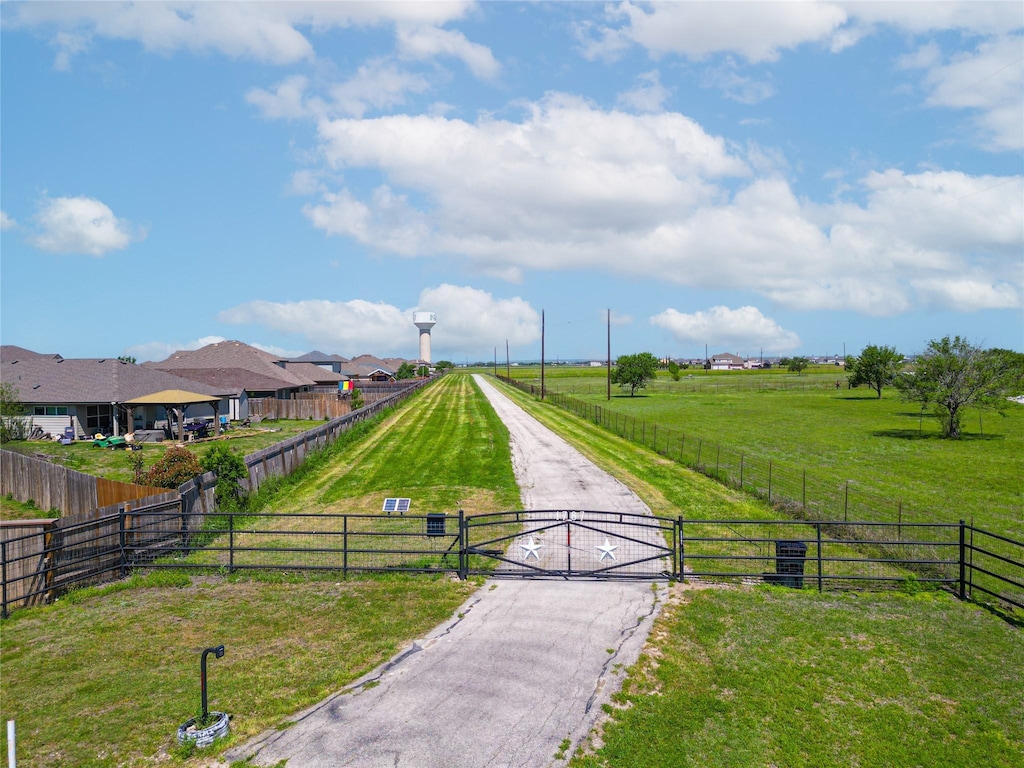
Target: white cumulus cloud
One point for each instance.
(81, 225)
(728, 329)
(469, 319)
(570, 186)
(265, 31)
(6, 222)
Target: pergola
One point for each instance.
(178, 401)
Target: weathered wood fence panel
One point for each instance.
(51, 486)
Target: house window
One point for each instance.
(50, 410)
(97, 418)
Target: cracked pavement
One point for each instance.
(522, 666)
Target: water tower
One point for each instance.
(424, 321)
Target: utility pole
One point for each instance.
(542, 354)
(508, 363)
(609, 354)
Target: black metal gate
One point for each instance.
(570, 543)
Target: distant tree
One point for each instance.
(357, 400)
(405, 371)
(673, 370)
(13, 424)
(633, 371)
(176, 467)
(127, 358)
(423, 371)
(953, 374)
(876, 366)
(795, 365)
(443, 365)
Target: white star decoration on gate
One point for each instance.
(607, 549)
(531, 548)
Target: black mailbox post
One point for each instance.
(435, 523)
(789, 563)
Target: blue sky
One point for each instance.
(792, 178)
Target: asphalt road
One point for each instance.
(522, 666)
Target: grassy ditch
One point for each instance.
(449, 452)
(769, 677)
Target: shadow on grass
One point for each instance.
(915, 434)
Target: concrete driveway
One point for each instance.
(521, 667)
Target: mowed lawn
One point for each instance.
(765, 677)
(886, 448)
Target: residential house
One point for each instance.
(244, 372)
(725, 361)
(88, 395)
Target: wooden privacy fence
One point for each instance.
(52, 486)
(41, 558)
(311, 407)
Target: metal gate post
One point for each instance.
(231, 542)
(818, 526)
(121, 540)
(463, 547)
(3, 565)
(682, 550)
(963, 563)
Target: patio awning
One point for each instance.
(178, 398)
(175, 396)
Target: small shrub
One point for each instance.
(229, 467)
(174, 468)
(137, 465)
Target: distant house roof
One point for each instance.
(54, 379)
(727, 357)
(316, 357)
(374, 362)
(261, 367)
(315, 373)
(394, 363)
(363, 372)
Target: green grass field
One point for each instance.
(889, 452)
(765, 677)
(738, 677)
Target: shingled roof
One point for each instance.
(316, 356)
(54, 379)
(241, 365)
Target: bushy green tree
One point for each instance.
(673, 370)
(876, 366)
(443, 365)
(795, 365)
(13, 425)
(230, 468)
(423, 371)
(176, 467)
(357, 400)
(634, 371)
(952, 374)
(405, 371)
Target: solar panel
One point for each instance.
(396, 505)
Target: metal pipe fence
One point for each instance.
(821, 554)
